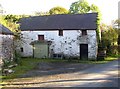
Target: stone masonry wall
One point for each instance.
(6, 47)
(67, 44)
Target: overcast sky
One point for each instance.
(108, 8)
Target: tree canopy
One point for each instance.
(117, 26)
(81, 6)
(10, 22)
(110, 35)
(117, 23)
(58, 10)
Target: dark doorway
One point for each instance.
(83, 51)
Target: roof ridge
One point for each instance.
(59, 15)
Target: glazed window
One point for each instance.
(40, 37)
(60, 32)
(84, 32)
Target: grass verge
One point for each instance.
(25, 65)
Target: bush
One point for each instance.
(119, 49)
(113, 50)
(6, 62)
(17, 57)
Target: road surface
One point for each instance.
(101, 75)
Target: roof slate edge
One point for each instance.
(57, 14)
(54, 29)
(5, 33)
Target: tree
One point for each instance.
(116, 25)
(117, 22)
(10, 21)
(110, 35)
(82, 6)
(109, 39)
(58, 10)
(118, 39)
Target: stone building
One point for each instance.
(71, 35)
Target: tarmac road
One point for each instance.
(102, 75)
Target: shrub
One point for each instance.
(6, 62)
(119, 49)
(17, 57)
(113, 50)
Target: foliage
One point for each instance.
(17, 58)
(10, 21)
(117, 26)
(6, 63)
(109, 37)
(58, 10)
(117, 22)
(119, 39)
(82, 6)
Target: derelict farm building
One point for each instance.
(57, 35)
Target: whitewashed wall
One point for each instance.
(68, 43)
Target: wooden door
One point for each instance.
(83, 51)
(41, 51)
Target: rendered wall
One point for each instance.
(67, 44)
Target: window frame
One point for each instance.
(42, 38)
(84, 32)
(60, 32)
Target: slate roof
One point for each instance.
(5, 30)
(63, 21)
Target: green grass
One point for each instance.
(110, 58)
(27, 64)
(115, 56)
